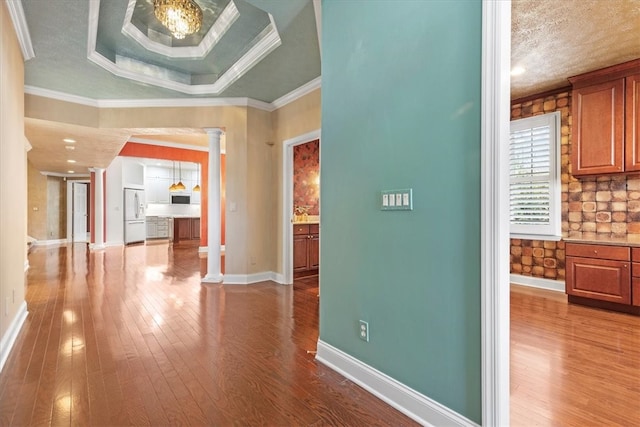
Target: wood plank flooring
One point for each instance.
(572, 365)
(129, 336)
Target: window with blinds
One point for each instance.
(534, 177)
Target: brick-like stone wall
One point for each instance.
(540, 258)
(608, 205)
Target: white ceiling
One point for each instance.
(551, 39)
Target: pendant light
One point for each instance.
(180, 186)
(196, 188)
(172, 187)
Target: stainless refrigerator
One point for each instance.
(134, 216)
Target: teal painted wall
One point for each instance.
(401, 109)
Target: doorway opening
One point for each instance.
(78, 211)
(288, 207)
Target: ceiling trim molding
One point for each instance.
(268, 40)
(297, 93)
(16, 12)
(226, 19)
(170, 144)
(149, 103)
(65, 175)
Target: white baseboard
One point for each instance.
(537, 282)
(278, 278)
(204, 249)
(50, 242)
(94, 247)
(9, 338)
(113, 244)
(247, 279)
(415, 405)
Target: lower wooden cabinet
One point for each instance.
(186, 230)
(603, 273)
(306, 249)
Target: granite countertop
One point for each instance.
(305, 222)
(595, 238)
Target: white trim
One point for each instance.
(148, 103)
(537, 282)
(215, 33)
(50, 242)
(113, 244)
(26, 265)
(19, 20)
(65, 175)
(415, 405)
(297, 93)
(278, 278)
(248, 279)
(286, 267)
(95, 247)
(204, 249)
(10, 336)
(495, 114)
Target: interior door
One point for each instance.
(79, 212)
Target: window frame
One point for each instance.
(553, 229)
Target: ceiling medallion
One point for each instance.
(181, 17)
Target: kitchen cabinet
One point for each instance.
(605, 120)
(158, 227)
(186, 230)
(306, 249)
(604, 276)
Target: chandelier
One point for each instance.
(181, 17)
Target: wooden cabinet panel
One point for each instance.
(300, 250)
(183, 228)
(195, 228)
(314, 251)
(598, 129)
(632, 123)
(635, 292)
(306, 248)
(600, 279)
(620, 253)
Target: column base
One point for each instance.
(96, 246)
(212, 278)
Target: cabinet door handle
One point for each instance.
(595, 252)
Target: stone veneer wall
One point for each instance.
(608, 205)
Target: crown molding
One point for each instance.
(178, 102)
(16, 12)
(65, 175)
(226, 19)
(148, 103)
(297, 93)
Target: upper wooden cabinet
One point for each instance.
(606, 116)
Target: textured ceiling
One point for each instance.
(556, 39)
(551, 39)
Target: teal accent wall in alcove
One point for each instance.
(401, 109)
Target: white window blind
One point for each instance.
(534, 177)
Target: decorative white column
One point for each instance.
(214, 275)
(98, 208)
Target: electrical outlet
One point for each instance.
(364, 331)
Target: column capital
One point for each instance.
(97, 170)
(213, 131)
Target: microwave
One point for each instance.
(180, 199)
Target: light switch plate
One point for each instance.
(396, 200)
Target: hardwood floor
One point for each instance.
(129, 336)
(572, 365)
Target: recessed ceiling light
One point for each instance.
(517, 71)
(70, 147)
(71, 171)
(69, 140)
(71, 161)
